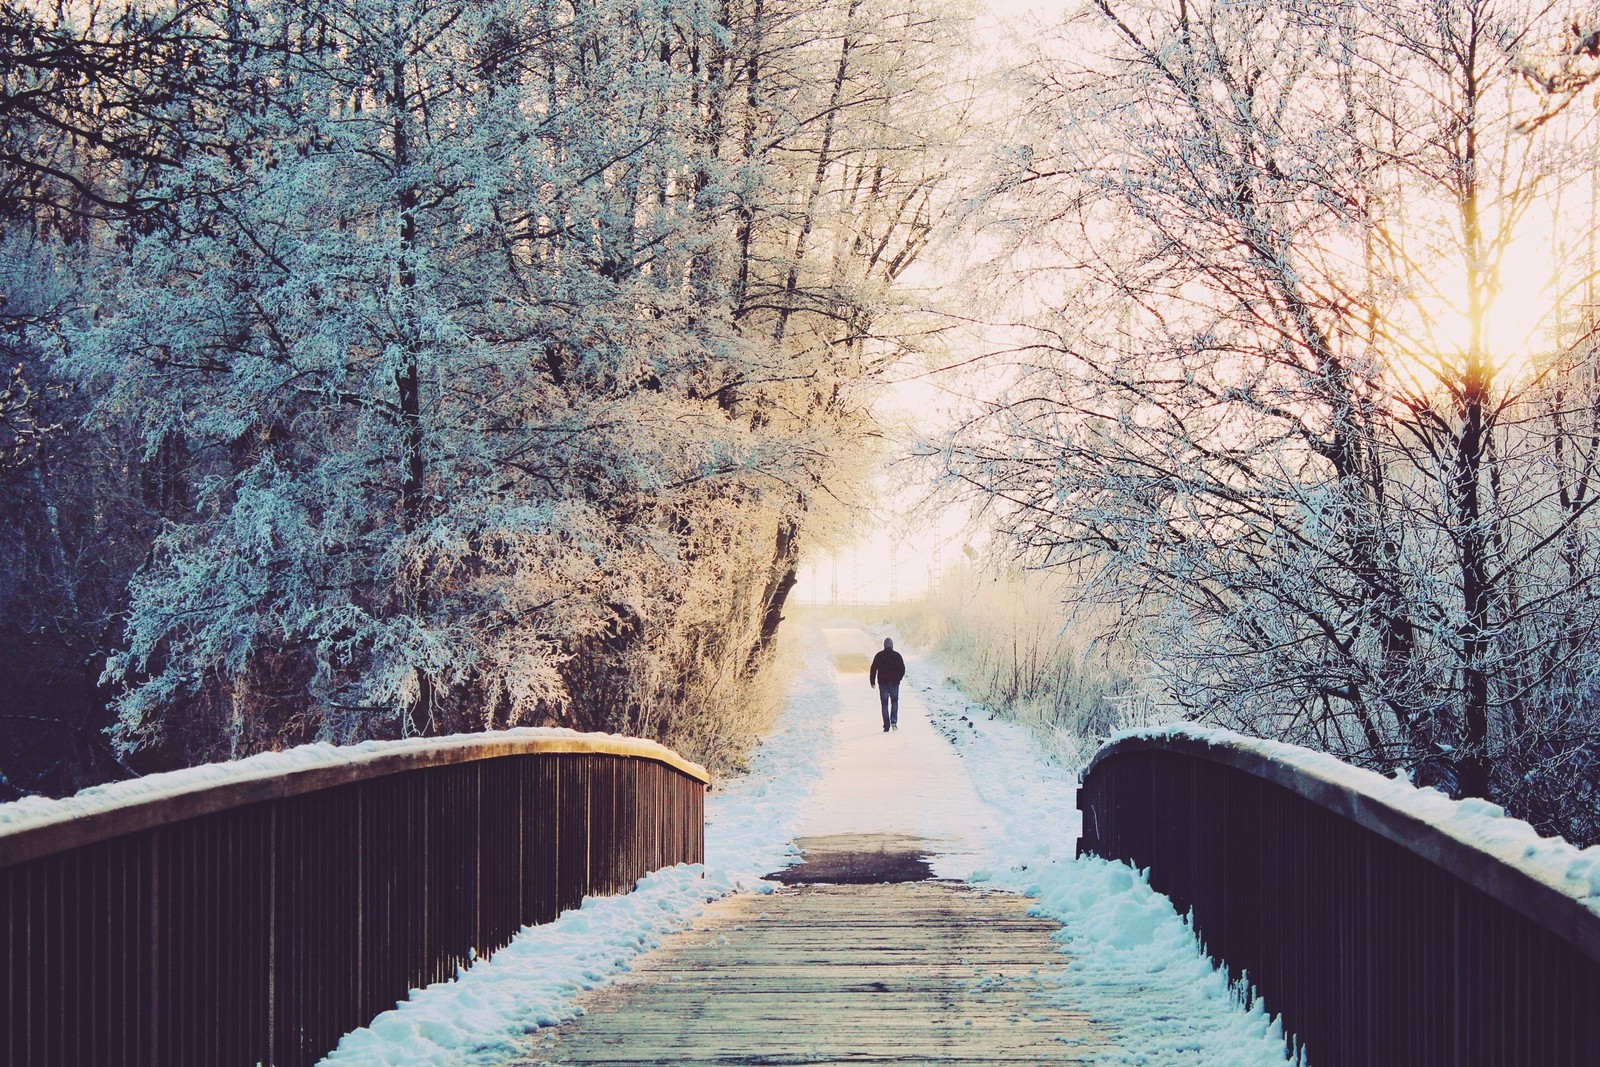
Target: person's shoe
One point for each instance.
(885, 729)
(894, 726)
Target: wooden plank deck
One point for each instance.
(901, 972)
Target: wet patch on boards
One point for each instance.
(858, 859)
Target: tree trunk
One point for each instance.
(824, 160)
(1472, 760)
(408, 389)
(785, 572)
(745, 227)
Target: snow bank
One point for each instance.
(1476, 823)
(1132, 964)
(1137, 969)
(751, 821)
(483, 1015)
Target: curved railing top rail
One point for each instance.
(1546, 879)
(36, 826)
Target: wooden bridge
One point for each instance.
(255, 917)
(864, 958)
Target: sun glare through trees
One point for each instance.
(1313, 412)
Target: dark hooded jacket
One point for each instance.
(887, 668)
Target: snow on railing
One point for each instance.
(1385, 923)
(36, 826)
(253, 912)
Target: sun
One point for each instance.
(1438, 331)
(1520, 318)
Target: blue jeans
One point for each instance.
(889, 697)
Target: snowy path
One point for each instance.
(911, 781)
(992, 811)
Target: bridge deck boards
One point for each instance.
(924, 972)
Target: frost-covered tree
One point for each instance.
(492, 360)
(90, 99)
(1272, 408)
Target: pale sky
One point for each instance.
(896, 556)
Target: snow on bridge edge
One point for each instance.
(1475, 823)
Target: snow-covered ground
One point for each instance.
(911, 782)
(980, 790)
(1132, 963)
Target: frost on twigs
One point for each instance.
(495, 362)
(1305, 391)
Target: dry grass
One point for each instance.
(731, 719)
(1013, 642)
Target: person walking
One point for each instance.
(888, 668)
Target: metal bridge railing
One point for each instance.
(1380, 934)
(256, 918)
